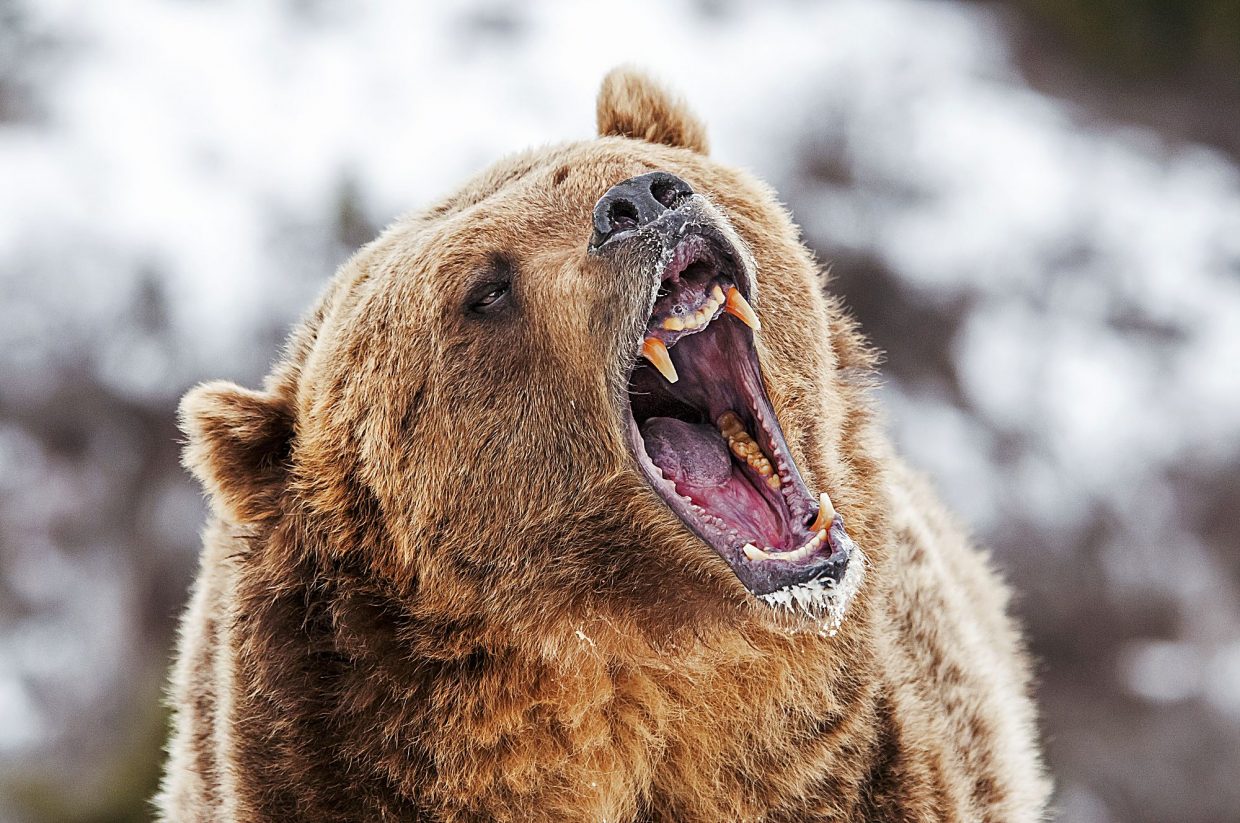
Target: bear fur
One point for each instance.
(435, 587)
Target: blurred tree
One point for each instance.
(1147, 38)
(1172, 65)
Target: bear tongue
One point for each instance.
(692, 456)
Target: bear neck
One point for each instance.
(449, 713)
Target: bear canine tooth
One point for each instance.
(826, 513)
(754, 553)
(739, 308)
(655, 350)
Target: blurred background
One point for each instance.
(1033, 206)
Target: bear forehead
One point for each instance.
(563, 183)
(533, 206)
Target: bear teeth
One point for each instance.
(700, 318)
(655, 350)
(746, 448)
(826, 513)
(739, 307)
(754, 553)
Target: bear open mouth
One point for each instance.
(707, 440)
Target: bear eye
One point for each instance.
(491, 297)
(495, 291)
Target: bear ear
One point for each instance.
(630, 104)
(238, 447)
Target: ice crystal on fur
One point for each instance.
(824, 599)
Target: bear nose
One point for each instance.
(633, 203)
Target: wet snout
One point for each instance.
(633, 204)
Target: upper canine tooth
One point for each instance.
(655, 350)
(739, 307)
(826, 513)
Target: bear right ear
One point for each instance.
(238, 447)
(630, 104)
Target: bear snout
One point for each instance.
(635, 203)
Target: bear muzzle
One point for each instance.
(699, 422)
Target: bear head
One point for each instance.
(601, 384)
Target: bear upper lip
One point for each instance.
(705, 437)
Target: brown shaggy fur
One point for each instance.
(435, 586)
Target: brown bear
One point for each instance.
(567, 502)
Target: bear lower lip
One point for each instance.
(708, 442)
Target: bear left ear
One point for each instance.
(630, 104)
(238, 447)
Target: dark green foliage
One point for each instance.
(1146, 38)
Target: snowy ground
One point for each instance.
(1060, 303)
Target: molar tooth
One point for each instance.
(826, 513)
(730, 424)
(655, 350)
(739, 307)
(773, 483)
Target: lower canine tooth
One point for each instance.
(655, 350)
(826, 513)
(754, 553)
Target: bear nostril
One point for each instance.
(668, 193)
(622, 216)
